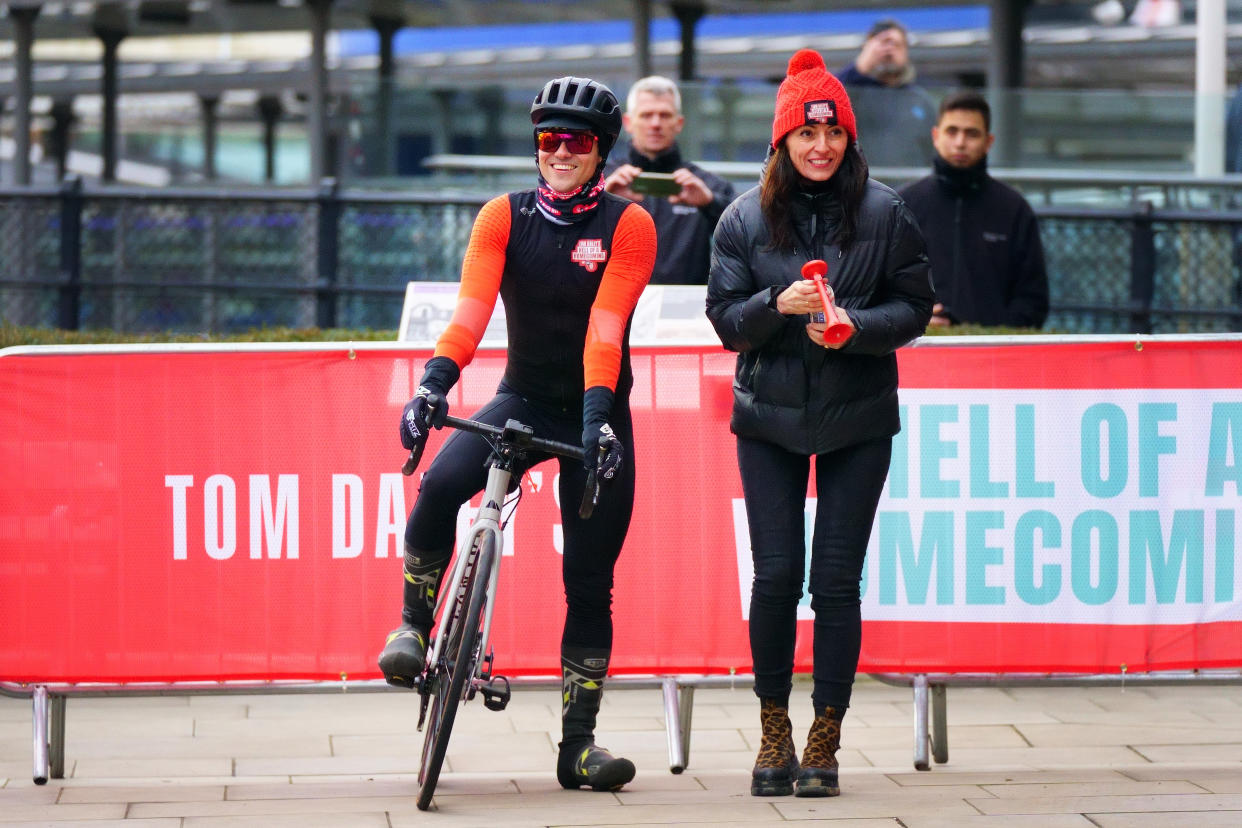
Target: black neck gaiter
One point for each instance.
(958, 180)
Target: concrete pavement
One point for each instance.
(1047, 757)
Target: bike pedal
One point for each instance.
(495, 696)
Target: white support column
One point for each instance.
(23, 17)
(317, 105)
(1210, 88)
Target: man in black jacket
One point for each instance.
(982, 236)
(685, 218)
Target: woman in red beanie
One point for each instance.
(798, 397)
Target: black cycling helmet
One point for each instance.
(579, 103)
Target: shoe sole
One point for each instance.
(400, 670)
(816, 788)
(776, 785)
(613, 775)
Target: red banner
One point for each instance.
(225, 514)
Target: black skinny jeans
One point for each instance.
(848, 483)
(591, 546)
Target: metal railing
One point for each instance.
(1042, 187)
(143, 260)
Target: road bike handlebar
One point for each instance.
(522, 437)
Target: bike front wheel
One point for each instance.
(453, 672)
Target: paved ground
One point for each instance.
(1052, 757)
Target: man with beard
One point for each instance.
(894, 113)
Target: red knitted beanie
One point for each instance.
(810, 94)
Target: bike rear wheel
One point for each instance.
(455, 669)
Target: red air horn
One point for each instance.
(837, 331)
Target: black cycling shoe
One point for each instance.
(594, 766)
(403, 657)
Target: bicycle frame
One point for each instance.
(467, 594)
(486, 521)
(509, 444)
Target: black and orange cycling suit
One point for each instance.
(569, 292)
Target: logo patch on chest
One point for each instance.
(589, 253)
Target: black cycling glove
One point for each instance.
(597, 434)
(428, 409)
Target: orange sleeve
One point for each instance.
(481, 270)
(626, 274)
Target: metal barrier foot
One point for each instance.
(687, 712)
(672, 726)
(921, 737)
(39, 704)
(939, 724)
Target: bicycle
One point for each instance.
(459, 664)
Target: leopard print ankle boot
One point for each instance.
(777, 764)
(818, 776)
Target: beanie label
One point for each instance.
(820, 112)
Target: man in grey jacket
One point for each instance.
(895, 114)
(686, 217)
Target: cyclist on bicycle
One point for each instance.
(570, 262)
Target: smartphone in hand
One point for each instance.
(655, 184)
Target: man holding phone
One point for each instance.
(684, 199)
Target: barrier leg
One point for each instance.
(687, 713)
(40, 720)
(920, 723)
(940, 724)
(56, 735)
(672, 726)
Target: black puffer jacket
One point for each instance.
(786, 389)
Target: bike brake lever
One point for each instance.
(411, 462)
(590, 494)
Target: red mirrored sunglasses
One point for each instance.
(579, 143)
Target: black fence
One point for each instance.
(206, 260)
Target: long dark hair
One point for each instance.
(781, 183)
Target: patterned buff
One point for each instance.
(572, 207)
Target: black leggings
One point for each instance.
(848, 483)
(591, 546)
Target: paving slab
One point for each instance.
(1019, 757)
(1170, 819)
(171, 822)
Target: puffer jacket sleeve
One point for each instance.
(738, 303)
(904, 299)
